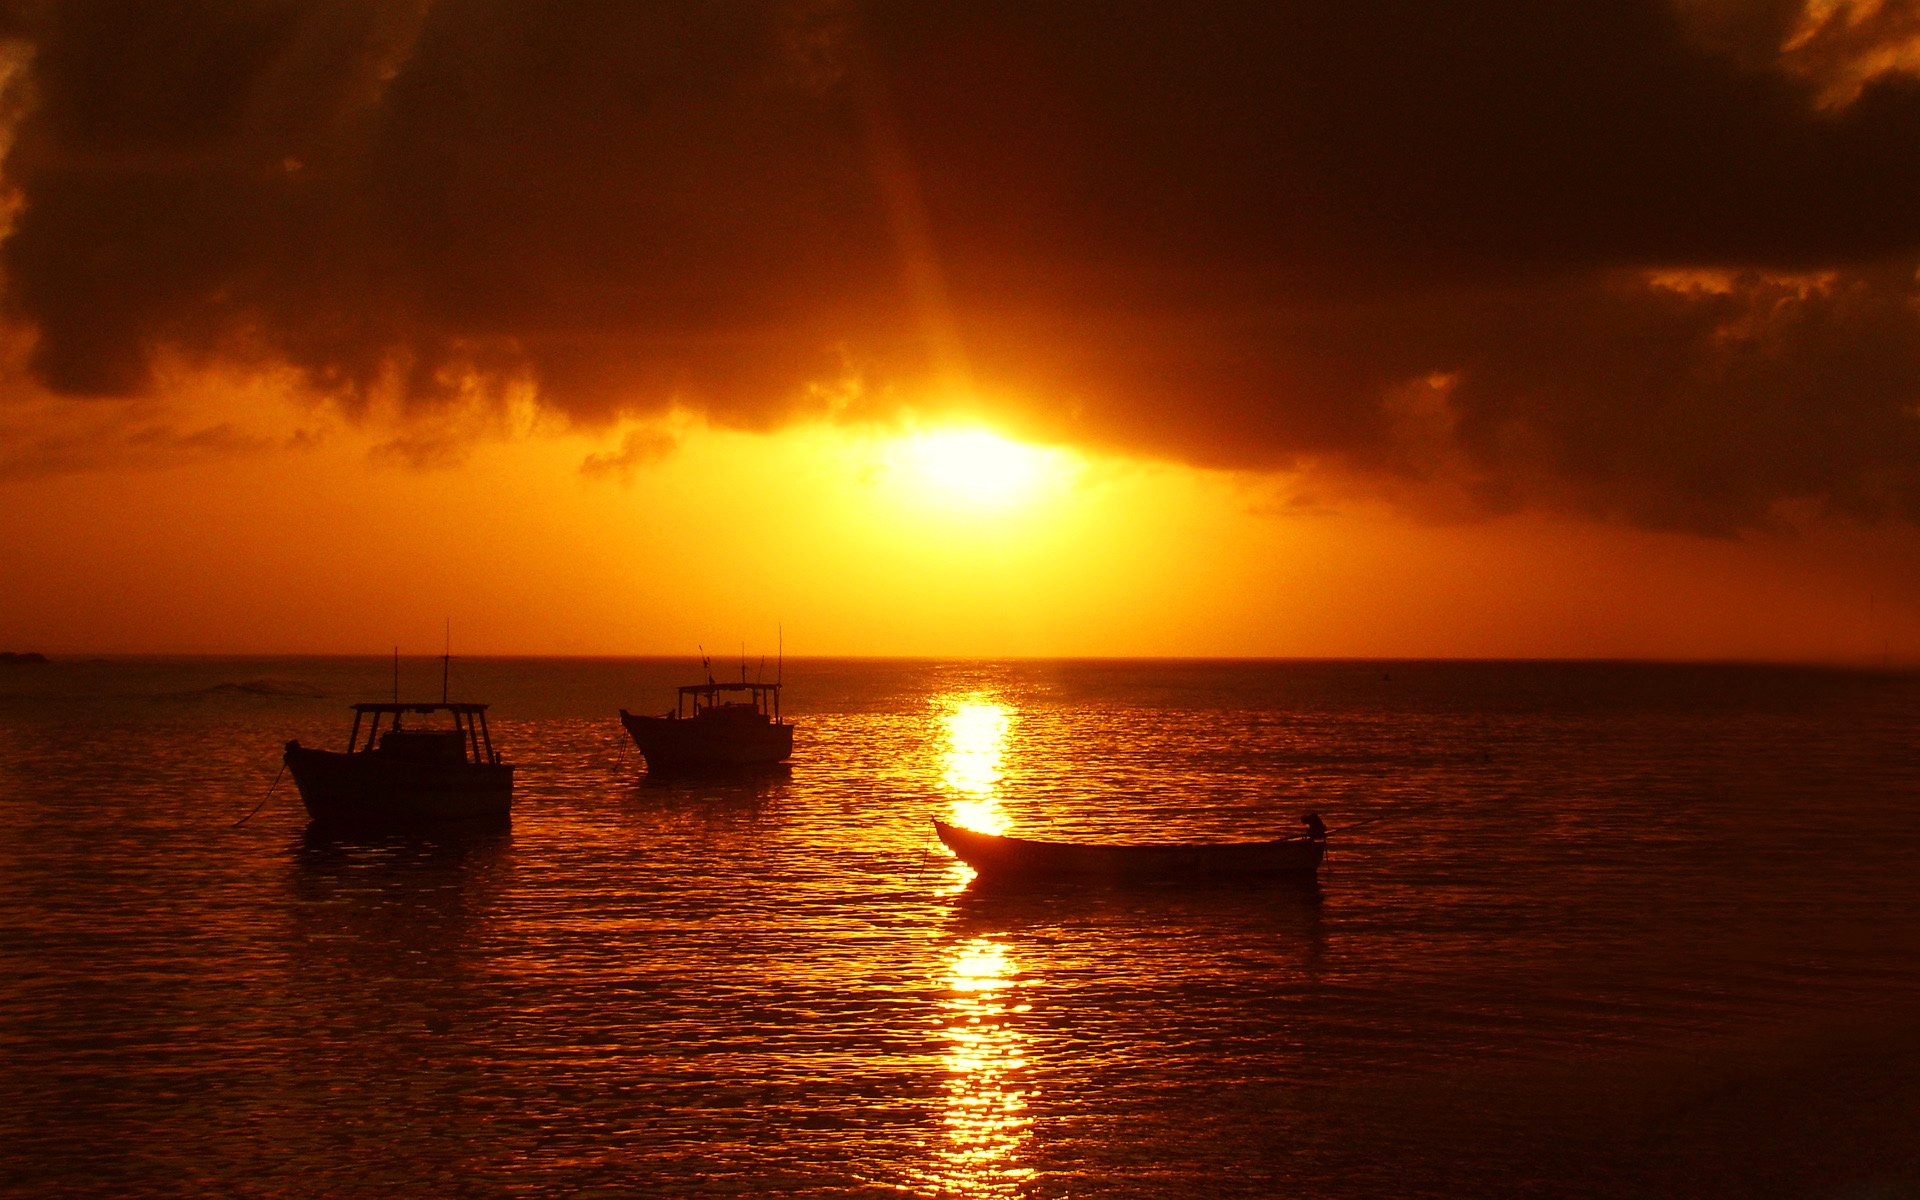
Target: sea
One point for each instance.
(1584, 929)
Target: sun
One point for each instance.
(975, 468)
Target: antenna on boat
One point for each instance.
(396, 674)
(706, 664)
(446, 662)
(780, 663)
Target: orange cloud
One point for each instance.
(1239, 235)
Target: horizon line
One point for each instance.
(1876, 662)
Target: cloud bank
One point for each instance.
(1650, 263)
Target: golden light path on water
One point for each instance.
(976, 746)
(986, 1118)
(1595, 945)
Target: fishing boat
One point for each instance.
(715, 726)
(997, 857)
(406, 774)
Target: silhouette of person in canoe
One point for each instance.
(1316, 828)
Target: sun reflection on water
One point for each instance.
(976, 742)
(986, 1118)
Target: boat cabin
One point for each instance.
(719, 701)
(466, 740)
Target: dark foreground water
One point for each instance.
(1627, 930)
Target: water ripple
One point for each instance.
(1596, 919)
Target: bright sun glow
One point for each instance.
(976, 743)
(975, 467)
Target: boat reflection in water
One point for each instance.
(381, 936)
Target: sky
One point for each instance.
(1514, 329)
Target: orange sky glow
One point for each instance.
(887, 329)
(940, 541)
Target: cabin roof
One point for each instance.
(709, 689)
(388, 706)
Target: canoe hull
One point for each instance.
(369, 788)
(994, 857)
(702, 743)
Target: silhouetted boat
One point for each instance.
(406, 776)
(715, 725)
(999, 857)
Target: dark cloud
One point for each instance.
(637, 449)
(34, 445)
(1408, 240)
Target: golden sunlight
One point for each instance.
(1106, 558)
(976, 742)
(975, 468)
(986, 1120)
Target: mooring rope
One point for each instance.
(263, 799)
(1392, 816)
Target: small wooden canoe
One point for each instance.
(998, 857)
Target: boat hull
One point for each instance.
(371, 789)
(994, 857)
(695, 743)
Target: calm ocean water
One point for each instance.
(1625, 930)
